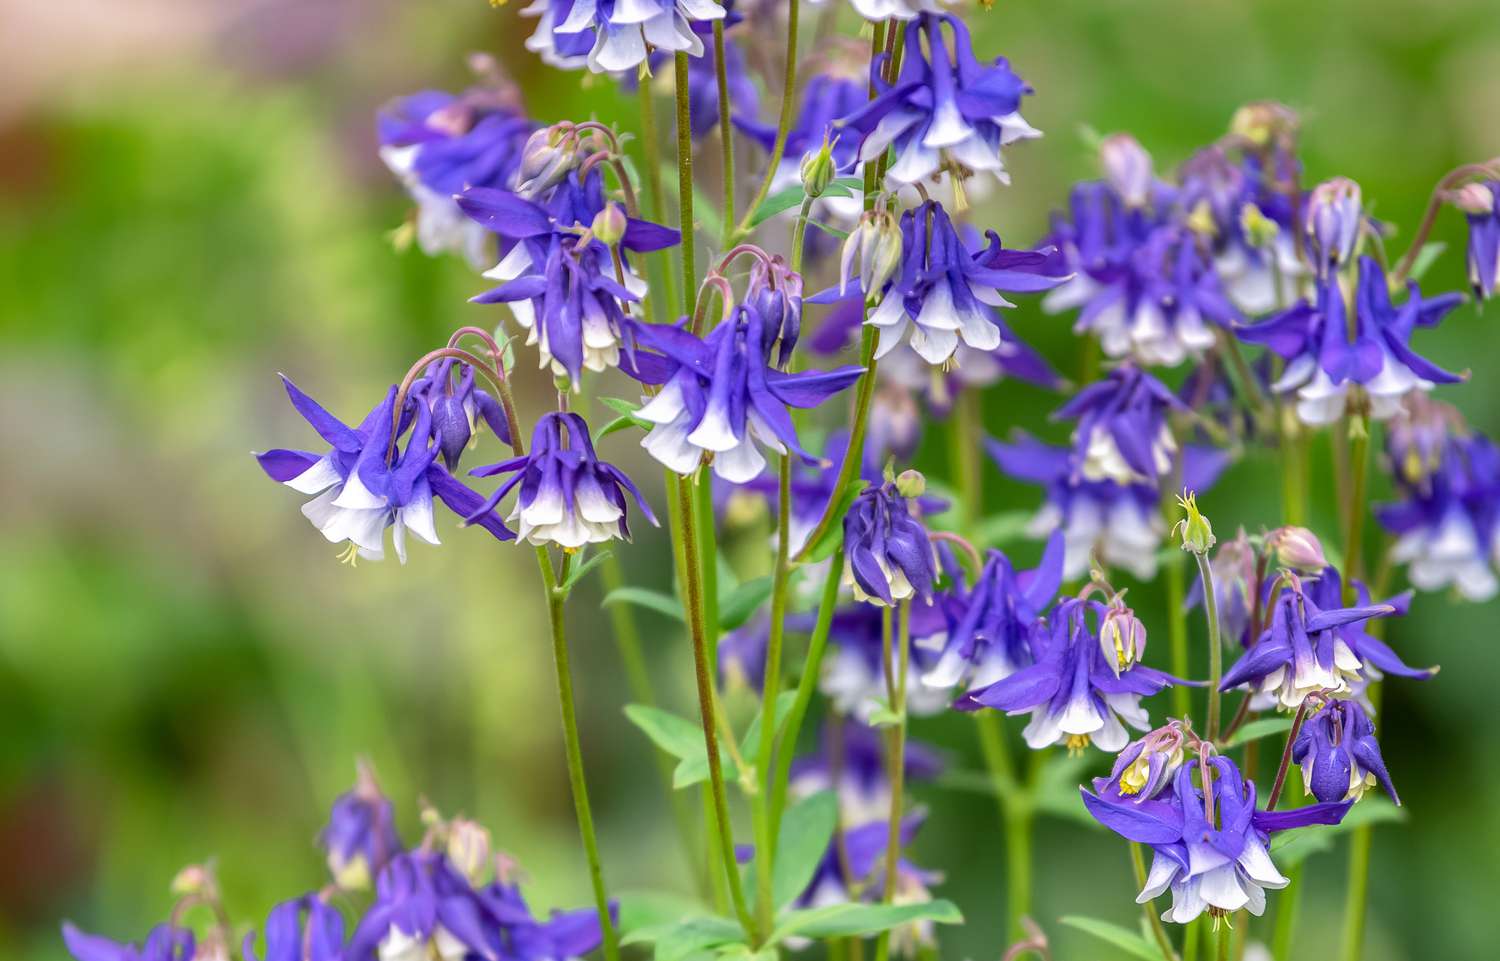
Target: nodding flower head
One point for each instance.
(166, 942)
(721, 397)
(367, 482)
(1339, 755)
(568, 496)
(1210, 844)
(1334, 215)
(1481, 205)
(302, 929)
(1122, 637)
(608, 36)
(550, 154)
(1329, 354)
(360, 837)
(775, 290)
(1127, 169)
(458, 410)
(877, 242)
(1265, 123)
(1148, 765)
(890, 555)
(439, 144)
(1297, 548)
(946, 112)
(1122, 433)
(1073, 694)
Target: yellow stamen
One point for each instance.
(1076, 743)
(350, 555)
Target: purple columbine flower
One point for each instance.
(1212, 854)
(568, 496)
(1323, 363)
(944, 290)
(1122, 433)
(164, 943)
(1073, 693)
(423, 907)
(562, 284)
(1314, 644)
(367, 483)
(1339, 755)
(852, 759)
(721, 397)
(853, 677)
(1121, 523)
(302, 929)
(439, 144)
(613, 35)
(991, 639)
(946, 112)
(459, 409)
(360, 837)
(1480, 203)
(1447, 520)
(890, 556)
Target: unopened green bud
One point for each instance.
(1197, 533)
(911, 483)
(610, 223)
(817, 169)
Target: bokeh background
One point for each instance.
(190, 201)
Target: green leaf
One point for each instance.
(1255, 730)
(1296, 846)
(883, 716)
(580, 571)
(677, 736)
(619, 424)
(829, 229)
(693, 768)
(1003, 529)
(622, 406)
(845, 187)
(678, 940)
(851, 919)
(806, 829)
(784, 199)
(833, 538)
(1123, 938)
(1426, 257)
(664, 604)
(751, 741)
(654, 909)
(736, 607)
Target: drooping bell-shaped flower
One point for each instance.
(458, 409)
(1339, 755)
(1122, 433)
(946, 111)
(1212, 853)
(991, 639)
(890, 556)
(563, 285)
(1328, 353)
(439, 144)
(608, 36)
(1481, 205)
(360, 837)
(568, 496)
(367, 482)
(721, 397)
(1335, 214)
(166, 942)
(1073, 694)
(302, 929)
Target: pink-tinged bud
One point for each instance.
(1334, 213)
(1127, 167)
(469, 850)
(1297, 548)
(1122, 638)
(547, 158)
(1476, 200)
(610, 223)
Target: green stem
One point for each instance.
(799, 232)
(1354, 522)
(651, 147)
(770, 690)
(964, 451)
(783, 123)
(1293, 468)
(1153, 920)
(685, 181)
(708, 548)
(555, 598)
(1015, 818)
(854, 455)
(726, 133)
(693, 597)
(1215, 648)
(1190, 939)
(1286, 914)
(807, 685)
(896, 768)
(1223, 942)
(1177, 632)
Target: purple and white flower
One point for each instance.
(360, 837)
(1339, 755)
(302, 929)
(612, 35)
(1122, 433)
(1147, 766)
(568, 496)
(165, 943)
(890, 556)
(1481, 205)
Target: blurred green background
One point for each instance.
(190, 201)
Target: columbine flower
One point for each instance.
(852, 759)
(562, 284)
(366, 483)
(853, 677)
(1339, 755)
(568, 496)
(1375, 656)
(1147, 766)
(1122, 433)
(1481, 204)
(302, 929)
(458, 410)
(775, 292)
(1334, 216)
(944, 289)
(721, 397)
(1213, 854)
(890, 556)
(1073, 694)
(990, 640)
(165, 943)
(1120, 522)
(1308, 648)
(360, 836)
(439, 144)
(945, 112)
(613, 35)
(1447, 523)
(1323, 363)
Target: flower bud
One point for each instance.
(911, 483)
(1127, 167)
(1297, 548)
(469, 849)
(1476, 200)
(1334, 213)
(876, 240)
(817, 169)
(1264, 122)
(196, 881)
(1197, 533)
(1122, 638)
(549, 155)
(610, 223)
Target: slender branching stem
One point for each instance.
(771, 690)
(685, 180)
(726, 131)
(783, 124)
(1215, 646)
(896, 767)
